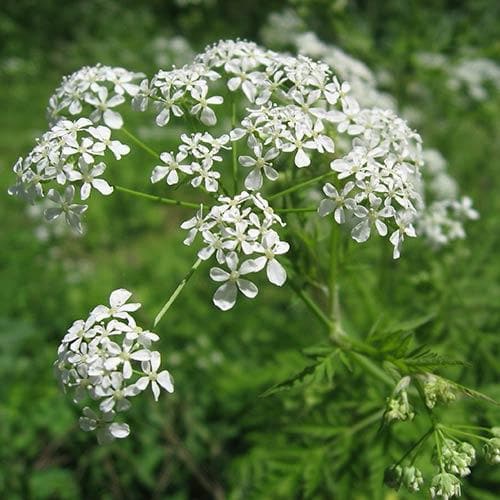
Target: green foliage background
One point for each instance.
(215, 433)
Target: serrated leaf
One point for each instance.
(411, 324)
(473, 393)
(321, 371)
(423, 359)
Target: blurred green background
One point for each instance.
(215, 436)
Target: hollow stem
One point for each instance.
(333, 285)
(311, 305)
(416, 445)
(296, 210)
(141, 144)
(177, 291)
(300, 185)
(452, 430)
(166, 201)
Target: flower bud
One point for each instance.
(445, 486)
(492, 451)
(393, 476)
(412, 478)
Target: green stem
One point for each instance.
(300, 185)
(296, 210)
(166, 201)
(342, 342)
(451, 430)
(374, 417)
(313, 307)
(418, 443)
(435, 424)
(177, 291)
(333, 286)
(145, 147)
(474, 427)
(372, 368)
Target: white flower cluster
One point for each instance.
(195, 157)
(442, 220)
(108, 358)
(179, 91)
(67, 154)
(381, 175)
(169, 50)
(235, 229)
(285, 29)
(475, 77)
(478, 77)
(95, 92)
(299, 106)
(296, 114)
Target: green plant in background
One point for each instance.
(302, 128)
(213, 435)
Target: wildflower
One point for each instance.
(398, 406)
(103, 424)
(72, 211)
(118, 307)
(437, 389)
(207, 115)
(412, 478)
(261, 163)
(445, 486)
(162, 379)
(492, 451)
(225, 295)
(108, 357)
(104, 106)
(336, 201)
(89, 175)
(271, 246)
(169, 170)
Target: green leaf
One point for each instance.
(321, 371)
(473, 393)
(423, 359)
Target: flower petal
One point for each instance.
(225, 296)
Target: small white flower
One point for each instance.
(169, 170)
(271, 246)
(225, 295)
(123, 355)
(89, 175)
(103, 134)
(115, 396)
(103, 106)
(261, 163)
(107, 430)
(336, 202)
(371, 217)
(72, 212)
(203, 174)
(162, 379)
(207, 115)
(118, 307)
